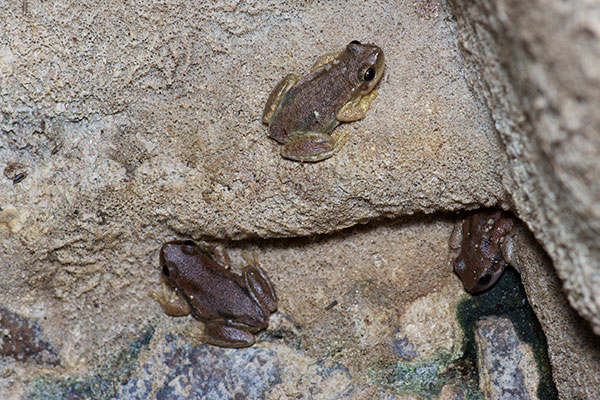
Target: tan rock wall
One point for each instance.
(537, 64)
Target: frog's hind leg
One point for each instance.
(277, 94)
(260, 287)
(313, 146)
(228, 334)
(324, 59)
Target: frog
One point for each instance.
(200, 282)
(302, 113)
(482, 247)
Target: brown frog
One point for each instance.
(301, 113)
(232, 307)
(481, 245)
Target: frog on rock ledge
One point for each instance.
(232, 307)
(302, 113)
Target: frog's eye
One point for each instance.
(369, 74)
(355, 42)
(484, 280)
(165, 270)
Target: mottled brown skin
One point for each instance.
(301, 113)
(232, 307)
(479, 244)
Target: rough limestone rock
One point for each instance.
(538, 67)
(134, 124)
(127, 125)
(506, 362)
(569, 336)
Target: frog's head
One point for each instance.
(485, 241)
(177, 260)
(368, 62)
(478, 277)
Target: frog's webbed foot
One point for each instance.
(170, 301)
(228, 334)
(313, 146)
(356, 109)
(282, 87)
(324, 59)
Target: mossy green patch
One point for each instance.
(507, 299)
(101, 385)
(291, 338)
(426, 378)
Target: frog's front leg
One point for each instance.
(313, 146)
(171, 302)
(357, 108)
(456, 238)
(277, 94)
(228, 334)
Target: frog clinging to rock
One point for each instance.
(302, 113)
(200, 282)
(481, 248)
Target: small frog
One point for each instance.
(301, 113)
(481, 245)
(232, 307)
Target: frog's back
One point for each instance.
(312, 104)
(220, 297)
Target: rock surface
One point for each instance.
(127, 125)
(573, 349)
(538, 68)
(507, 367)
(339, 332)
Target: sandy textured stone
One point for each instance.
(341, 315)
(126, 125)
(573, 349)
(538, 67)
(151, 116)
(139, 123)
(507, 368)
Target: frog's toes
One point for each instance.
(250, 257)
(170, 301)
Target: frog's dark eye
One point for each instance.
(484, 280)
(189, 243)
(165, 271)
(355, 42)
(369, 74)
